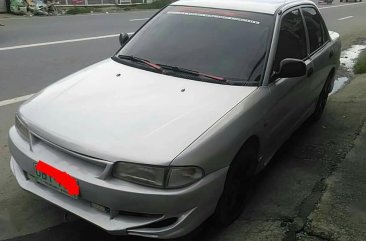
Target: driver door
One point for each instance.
(288, 95)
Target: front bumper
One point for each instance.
(127, 209)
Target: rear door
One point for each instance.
(320, 53)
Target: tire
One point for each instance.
(322, 101)
(238, 186)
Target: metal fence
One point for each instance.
(100, 2)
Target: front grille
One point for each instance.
(103, 166)
(90, 159)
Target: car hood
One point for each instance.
(120, 113)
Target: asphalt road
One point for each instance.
(26, 67)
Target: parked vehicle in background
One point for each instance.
(325, 1)
(173, 128)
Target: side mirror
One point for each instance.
(290, 68)
(123, 38)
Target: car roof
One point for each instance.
(260, 6)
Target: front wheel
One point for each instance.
(237, 188)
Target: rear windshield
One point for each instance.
(225, 43)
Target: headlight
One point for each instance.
(143, 174)
(21, 128)
(183, 176)
(157, 176)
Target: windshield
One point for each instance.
(225, 43)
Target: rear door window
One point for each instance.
(316, 28)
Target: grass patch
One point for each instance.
(360, 66)
(155, 5)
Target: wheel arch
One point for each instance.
(330, 77)
(253, 142)
(332, 72)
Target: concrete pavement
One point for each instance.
(341, 212)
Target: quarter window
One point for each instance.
(292, 39)
(316, 29)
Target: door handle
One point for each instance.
(310, 71)
(331, 54)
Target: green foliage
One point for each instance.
(360, 66)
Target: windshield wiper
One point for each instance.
(193, 72)
(140, 60)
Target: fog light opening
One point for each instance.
(162, 223)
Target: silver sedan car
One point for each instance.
(172, 129)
